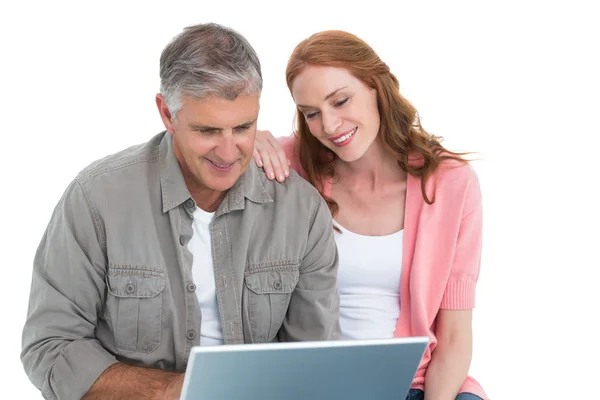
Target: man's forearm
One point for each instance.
(122, 381)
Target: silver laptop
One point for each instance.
(345, 369)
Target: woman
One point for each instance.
(386, 181)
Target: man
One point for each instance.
(177, 242)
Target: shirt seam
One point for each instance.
(95, 171)
(95, 217)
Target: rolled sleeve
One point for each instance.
(313, 313)
(60, 354)
(75, 369)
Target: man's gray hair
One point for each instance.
(208, 59)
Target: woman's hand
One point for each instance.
(269, 155)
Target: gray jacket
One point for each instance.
(112, 277)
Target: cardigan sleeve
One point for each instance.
(460, 289)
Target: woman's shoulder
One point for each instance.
(449, 169)
(457, 182)
(453, 182)
(456, 172)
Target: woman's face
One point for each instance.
(340, 110)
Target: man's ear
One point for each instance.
(165, 114)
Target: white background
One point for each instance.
(517, 83)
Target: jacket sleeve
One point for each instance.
(314, 309)
(60, 353)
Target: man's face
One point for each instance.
(213, 139)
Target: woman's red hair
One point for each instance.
(400, 126)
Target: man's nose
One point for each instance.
(226, 149)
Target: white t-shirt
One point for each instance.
(211, 333)
(369, 284)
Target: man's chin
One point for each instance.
(223, 183)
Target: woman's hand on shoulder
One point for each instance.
(269, 155)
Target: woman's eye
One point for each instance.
(341, 103)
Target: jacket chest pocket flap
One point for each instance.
(135, 308)
(268, 296)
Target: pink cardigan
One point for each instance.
(441, 252)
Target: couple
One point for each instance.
(184, 241)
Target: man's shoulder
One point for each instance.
(295, 194)
(294, 185)
(302, 184)
(132, 156)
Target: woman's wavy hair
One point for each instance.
(400, 126)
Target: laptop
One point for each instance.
(345, 369)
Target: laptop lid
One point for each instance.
(345, 369)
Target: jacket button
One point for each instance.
(191, 334)
(182, 240)
(277, 285)
(191, 287)
(189, 203)
(130, 288)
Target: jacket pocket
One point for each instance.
(134, 306)
(267, 298)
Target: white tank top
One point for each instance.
(369, 284)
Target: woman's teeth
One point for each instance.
(345, 137)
